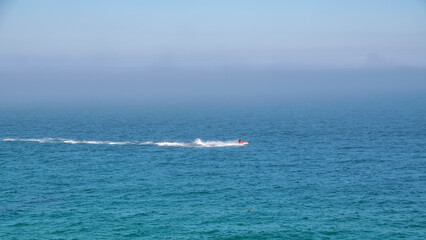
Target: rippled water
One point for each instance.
(309, 172)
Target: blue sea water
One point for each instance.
(325, 171)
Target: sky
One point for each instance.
(146, 52)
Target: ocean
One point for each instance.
(310, 171)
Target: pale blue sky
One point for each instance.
(106, 41)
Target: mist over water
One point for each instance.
(210, 87)
(163, 53)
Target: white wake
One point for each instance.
(196, 143)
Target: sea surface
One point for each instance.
(310, 171)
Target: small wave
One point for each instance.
(196, 143)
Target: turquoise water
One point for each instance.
(348, 171)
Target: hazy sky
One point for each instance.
(186, 50)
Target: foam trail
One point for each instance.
(232, 143)
(171, 144)
(97, 142)
(196, 143)
(64, 140)
(199, 143)
(40, 140)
